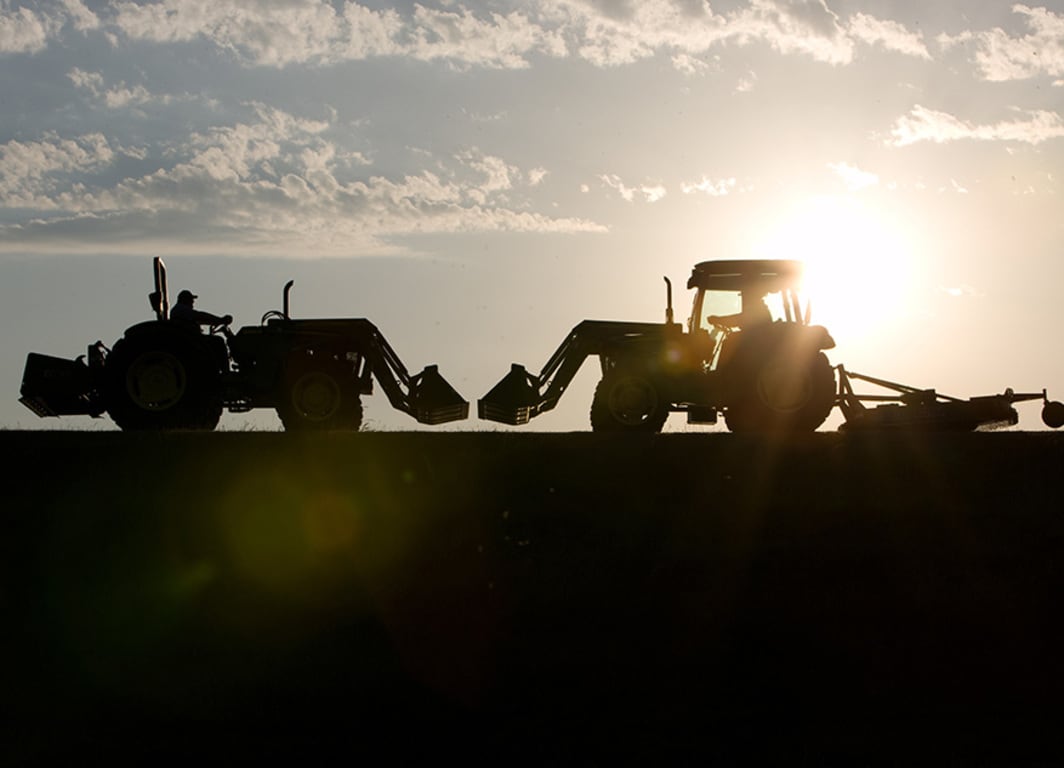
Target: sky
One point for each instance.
(478, 177)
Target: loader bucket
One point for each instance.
(513, 400)
(433, 400)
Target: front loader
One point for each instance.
(163, 374)
(771, 376)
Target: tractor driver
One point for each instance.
(755, 312)
(185, 312)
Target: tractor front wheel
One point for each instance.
(320, 396)
(628, 401)
(783, 396)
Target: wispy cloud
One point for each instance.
(711, 187)
(923, 124)
(889, 34)
(853, 177)
(117, 96)
(1001, 56)
(650, 193)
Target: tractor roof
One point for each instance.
(768, 275)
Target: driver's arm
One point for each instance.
(206, 318)
(726, 321)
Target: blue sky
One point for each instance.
(477, 178)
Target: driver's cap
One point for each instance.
(186, 295)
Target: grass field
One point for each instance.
(533, 598)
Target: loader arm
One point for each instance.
(520, 396)
(426, 396)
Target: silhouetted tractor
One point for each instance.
(164, 375)
(766, 377)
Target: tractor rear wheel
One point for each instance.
(320, 396)
(782, 395)
(628, 400)
(162, 381)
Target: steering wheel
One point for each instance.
(273, 314)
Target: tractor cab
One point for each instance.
(734, 291)
(754, 305)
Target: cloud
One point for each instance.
(922, 124)
(711, 187)
(267, 34)
(81, 16)
(650, 193)
(963, 290)
(605, 33)
(889, 34)
(1001, 56)
(23, 31)
(854, 178)
(274, 183)
(31, 172)
(746, 83)
(806, 27)
(119, 96)
(278, 34)
(31, 29)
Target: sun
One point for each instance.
(858, 266)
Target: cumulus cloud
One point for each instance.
(23, 31)
(1001, 56)
(280, 33)
(32, 171)
(922, 124)
(81, 17)
(314, 31)
(30, 29)
(274, 183)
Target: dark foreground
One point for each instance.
(533, 599)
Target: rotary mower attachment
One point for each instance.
(913, 409)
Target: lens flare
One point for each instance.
(858, 267)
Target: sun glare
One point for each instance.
(858, 269)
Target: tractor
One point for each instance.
(761, 376)
(167, 375)
(764, 369)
